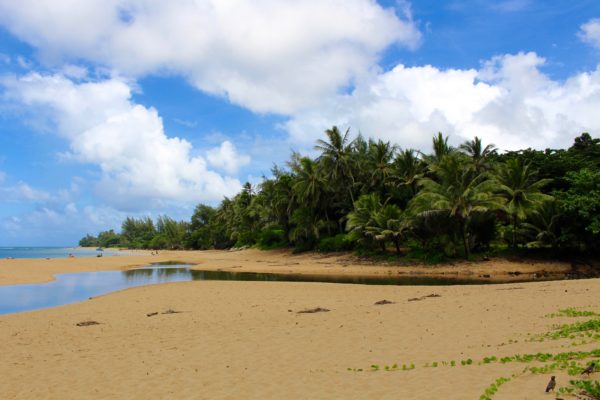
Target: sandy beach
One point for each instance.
(247, 340)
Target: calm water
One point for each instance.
(72, 288)
(48, 252)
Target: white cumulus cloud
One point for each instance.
(509, 102)
(141, 167)
(267, 55)
(227, 158)
(590, 32)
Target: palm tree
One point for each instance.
(309, 183)
(408, 169)
(249, 189)
(363, 216)
(307, 225)
(282, 200)
(390, 225)
(517, 184)
(441, 148)
(335, 155)
(380, 156)
(458, 192)
(545, 225)
(309, 190)
(370, 219)
(479, 155)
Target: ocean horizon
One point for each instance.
(45, 252)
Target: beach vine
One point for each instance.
(573, 362)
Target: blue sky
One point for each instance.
(120, 107)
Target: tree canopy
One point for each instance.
(373, 196)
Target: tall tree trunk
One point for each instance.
(352, 182)
(286, 232)
(351, 195)
(397, 243)
(514, 232)
(463, 233)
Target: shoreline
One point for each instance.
(20, 271)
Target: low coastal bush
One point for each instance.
(340, 242)
(427, 256)
(271, 239)
(245, 239)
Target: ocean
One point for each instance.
(46, 252)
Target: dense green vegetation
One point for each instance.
(374, 197)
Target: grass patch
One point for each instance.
(591, 388)
(571, 312)
(491, 390)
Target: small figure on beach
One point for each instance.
(589, 369)
(71, 255)
(551, 384)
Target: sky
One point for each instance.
(115, 108)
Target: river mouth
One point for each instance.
(75, 287)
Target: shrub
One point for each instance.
(271, 239)
(341, 242)
(245, 239)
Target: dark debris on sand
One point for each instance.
(169, 311)
(313, 310)
(424, 297)
(87, 323)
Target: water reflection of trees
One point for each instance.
(171, 274)
(364, 280)
(150, 275)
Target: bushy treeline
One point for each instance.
(142, 233)
(373, 196)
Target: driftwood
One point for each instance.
(170, 311)
(383, 302)
(313, 310)
(424, 297)
(87, 323)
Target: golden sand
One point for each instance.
(246, 340)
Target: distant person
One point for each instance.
(551, 384)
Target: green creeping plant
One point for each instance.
(493, 388)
